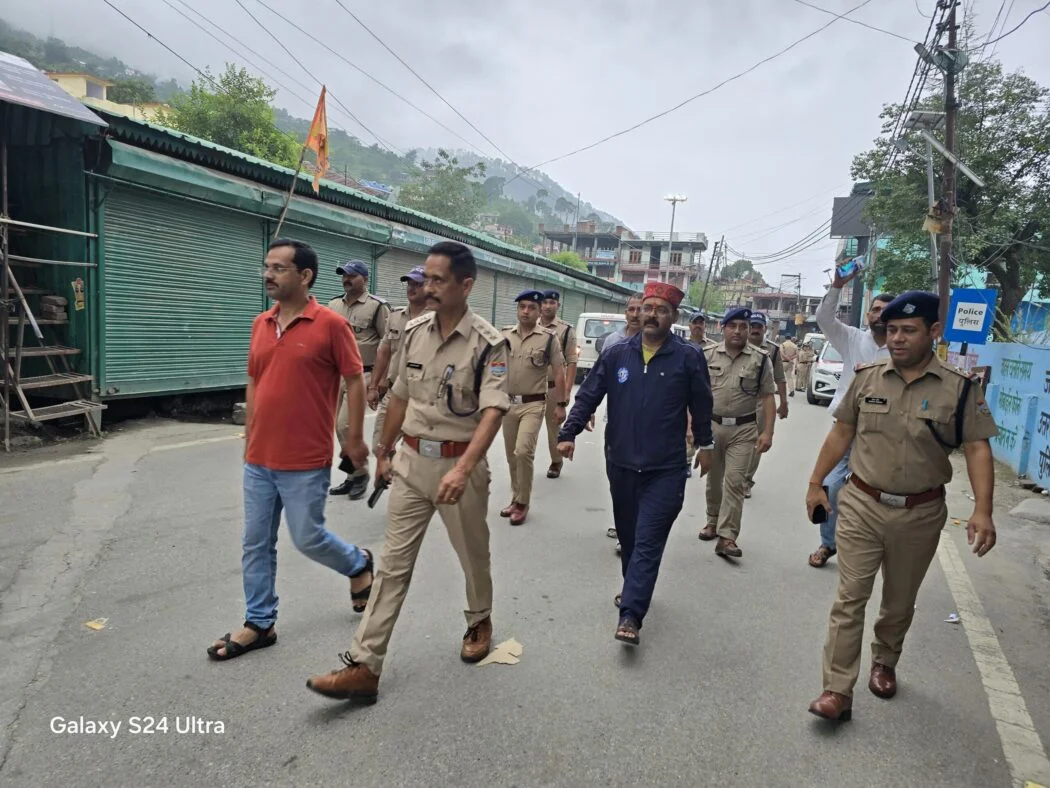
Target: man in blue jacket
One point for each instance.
(652, 380)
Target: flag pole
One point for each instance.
(291, 190)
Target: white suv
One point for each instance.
(824, 377)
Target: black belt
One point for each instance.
(551, 384)
(525, 399)
(733, 421)
(368, 369)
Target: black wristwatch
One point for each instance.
(563, 404)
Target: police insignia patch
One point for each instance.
(498, 369)
(983, 409)
(908, 309)
(622, 374)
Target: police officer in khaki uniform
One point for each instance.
(697, 338)
(567, 339)
(806, 356)
(758, 339)
(448, 400)
(534, 351)
(387, 356)
(903, 417)
(742, 383)
(367, 315)
(789, 351)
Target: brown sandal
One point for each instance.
(627, 631)
(819, 557)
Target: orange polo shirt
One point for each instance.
(296, 378)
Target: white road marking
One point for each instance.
(53, 463)
(1022, 747)
(198, 442)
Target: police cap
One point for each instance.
(699, 317)
(758, 318)
(530, 295)
(353, 268)
(551, 294)
(739, 313)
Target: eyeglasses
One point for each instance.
(662, 311)
(276, 269)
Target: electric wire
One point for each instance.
(1014, 29)
(854, 21)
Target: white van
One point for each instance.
(590, 328)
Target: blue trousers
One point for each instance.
(645, 506)
(834, 482)
(302, 496)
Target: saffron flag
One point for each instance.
(317, 140)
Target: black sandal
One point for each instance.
(362, 595)
(627, 631)
(617, 600)
(235, 649)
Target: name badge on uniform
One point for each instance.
(414, 365)
(876, 401)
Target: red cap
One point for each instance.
(667, 292)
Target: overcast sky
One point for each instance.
(543, 77)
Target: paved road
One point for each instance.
(144, 532)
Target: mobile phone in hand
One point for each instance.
(820, 514)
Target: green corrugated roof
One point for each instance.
(200, 151)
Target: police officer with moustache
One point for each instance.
(448, 400)
(903, 417)
(758, 339)
(390, 346)
(697, 331)
(367, 315)
(567, 339)
(742, 384)
(534, 351)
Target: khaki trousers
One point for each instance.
(756, 458)
(342, 419)
(802, 376)
(871, 536)
(521, 431)
(553, 427)
(734, 447)
(409, 512)
(377, 430)
(789, 373)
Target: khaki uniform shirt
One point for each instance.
(532, 356)
(394, 336)
(894, 450)
(566, 335)
(367, 315)
(790, 350)
(429, 368)
(807, 355)
(736, 383)
(773, 350)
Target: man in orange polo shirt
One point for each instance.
(299, 354)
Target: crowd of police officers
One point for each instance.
(445, 381)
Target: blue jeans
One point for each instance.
(834, 482)
(645, 506)
(302, 496)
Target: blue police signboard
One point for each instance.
(970, 315)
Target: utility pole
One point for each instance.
(951, 107)
(710, 268)
(576, 222)
(857, 297)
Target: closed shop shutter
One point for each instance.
(391, 265)
(572, 304)
(332, 249)
(481, 295)
(507, 288)
(594, 304)
(182, 283)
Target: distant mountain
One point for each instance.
(348, 155)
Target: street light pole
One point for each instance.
(674, 199)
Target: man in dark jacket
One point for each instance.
(653, 380)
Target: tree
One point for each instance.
(136, 90)
(238, 113)
(493, 187)
(570, 259)
(564, 208)
(447, 190)
(1003, 134)
(741, 269)
(715, 300)
(592, 217)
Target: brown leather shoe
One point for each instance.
(883, 681)
(518, 518)
(554, 471)
(477, 642)
(708, 532)
(509, 510)
(833, 706)
(354, 682)
(727, 548)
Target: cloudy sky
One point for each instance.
(759, 159)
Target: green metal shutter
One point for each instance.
(507, 288)
(390, 267)
(182, 282)
(572, 303)
(332, 249)
(482, 294)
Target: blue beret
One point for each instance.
(353, 268)
(417, 274)
(551, 294)
(739, 313)
(758, 318)
(530, 295)
(914, 303)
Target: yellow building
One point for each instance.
(94, 92)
